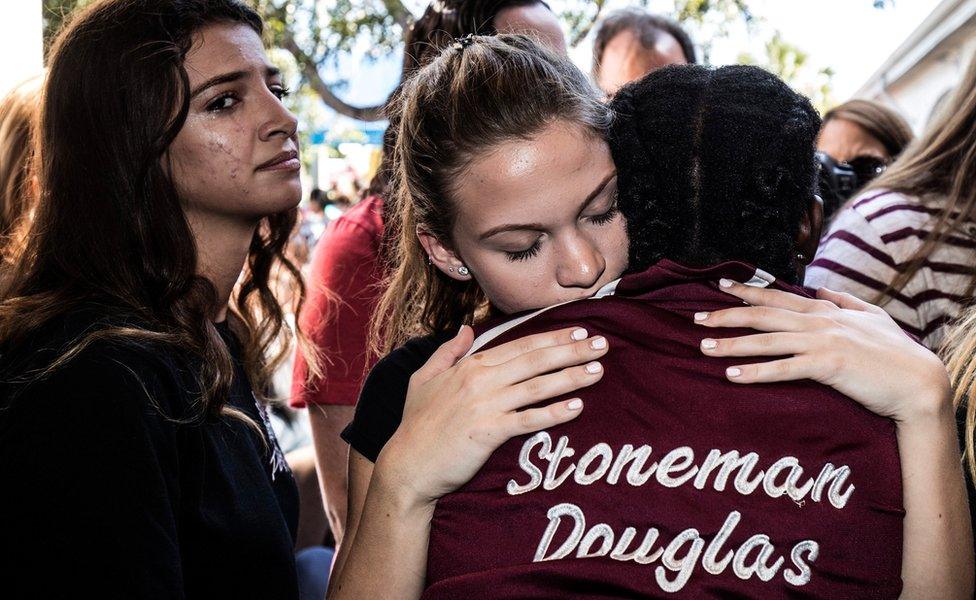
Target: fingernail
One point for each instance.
(598, 343)
(726, 283)
(701, 316)
(579, 334)
(733, 371)
(593, 368)
(575, 404)
(708, 343)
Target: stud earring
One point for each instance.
(451, 269)
(462, 270)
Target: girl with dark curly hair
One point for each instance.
(509, 201)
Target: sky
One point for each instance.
(850, 36)
(20, 42)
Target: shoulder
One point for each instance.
(397, 366)
(106, 378)
(350, 242)
(865, 231)
(381, 402)
(362, 221)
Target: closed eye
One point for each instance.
(609, 215)
(525, 254)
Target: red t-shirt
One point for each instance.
(673, 479)
(343, 289)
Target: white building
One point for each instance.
(928, 64)
(21, 42)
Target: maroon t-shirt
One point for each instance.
(674, 480)
(343, 290)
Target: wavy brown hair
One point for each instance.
(18, 112)
(110, 231)
(465, 102)
(938, 167)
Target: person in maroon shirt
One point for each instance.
(347, 265)
(554, 218)
(676, 479)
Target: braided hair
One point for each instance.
(714, 164)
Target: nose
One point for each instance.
(280, 122)
(581, 263)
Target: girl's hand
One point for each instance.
(458, 412)
(837, 340)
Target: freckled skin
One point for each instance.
(543, 181)
(215, 155)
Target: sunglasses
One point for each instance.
(866, 167)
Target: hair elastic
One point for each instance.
(463, 42)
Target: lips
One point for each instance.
(287, 160)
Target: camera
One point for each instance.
(839, 181)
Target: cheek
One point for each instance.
(511, 286)
(208, 160)
(615, 247)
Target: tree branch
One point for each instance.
(582, 33)
(311, 72)
(400, 13)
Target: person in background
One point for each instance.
(17, 115)
(347, 267)
(908, 241)
(315, 219)
(632, 42)
(857, 142)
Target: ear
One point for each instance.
(441, 255)
(811, 226)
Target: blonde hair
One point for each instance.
(18, 115)
(939, 166)
(959, 352)
(477, 94)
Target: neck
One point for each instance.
(222, 246)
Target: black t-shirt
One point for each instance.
(112, 488)
(380, 407)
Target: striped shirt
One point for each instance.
(872, 241)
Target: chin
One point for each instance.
(284, 199)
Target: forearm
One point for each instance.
(387, 557)
(938, 547)
(331, 459)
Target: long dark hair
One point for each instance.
(110, 230)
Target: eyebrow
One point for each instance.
(269, 71)
(538, 226)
